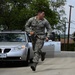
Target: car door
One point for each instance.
(48, 48)
(30, 46)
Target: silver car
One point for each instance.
(16, 46)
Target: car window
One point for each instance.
(12, 37)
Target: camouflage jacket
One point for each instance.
(38, 26)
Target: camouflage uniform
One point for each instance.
(38, 27)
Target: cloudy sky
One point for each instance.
(70, 2)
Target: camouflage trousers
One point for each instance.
(37, 46)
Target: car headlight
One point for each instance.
(19, 48)
(23, 47)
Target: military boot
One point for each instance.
(33, 66)
(43, 56)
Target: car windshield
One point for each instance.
(12, 37)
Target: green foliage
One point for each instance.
(58, 3)
(14, 13)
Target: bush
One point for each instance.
(71, 47)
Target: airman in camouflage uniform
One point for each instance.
(36, 27)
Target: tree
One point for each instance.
(58, 6)
(15, 13)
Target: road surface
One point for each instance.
(51, 66)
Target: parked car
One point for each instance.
(14, 46)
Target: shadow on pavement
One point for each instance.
(9, 64)
(50, 69)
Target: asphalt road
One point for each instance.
(51, 66)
